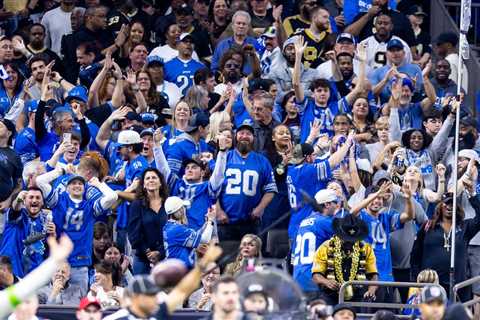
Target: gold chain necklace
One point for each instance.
(338, 257)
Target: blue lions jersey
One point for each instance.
(313, 231)
(181, 73)
(180, 242)
(310, 112)
(309, 178)
(182, 150)
(26, 146)
(76, 219)
(246, 181)
(200, 195)
(134, 169)
(113, 157)
(379, 238)
(19, 227)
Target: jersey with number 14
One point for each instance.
(181, 73)
(246, 181)
(313, 231)
(76, 219)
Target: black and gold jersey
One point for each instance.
(294, 23)
(314, 54)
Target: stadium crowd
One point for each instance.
(315, 131)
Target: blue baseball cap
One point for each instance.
(409, 83)
(395, 44)
(154, 60)
(148, 118)
(148, 131)
(32, 105)
(78, 93)
(75, 177)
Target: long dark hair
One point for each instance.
(20, 76)
(142, 193)
(112, 269)
(438, 215)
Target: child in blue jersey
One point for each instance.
(312, 232)
(318, 109)
(74, 214)
(382, 223)
(181, 70)
(319, 173)
(248, 188)
(191, 187)
(181, 241)
(26, 229)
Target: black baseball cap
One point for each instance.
(344, 306)
(184, 9)
(199, 119)
(143, 284)
(447, 37)
(246, 124)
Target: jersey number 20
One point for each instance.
(241, 182)
(305, 246)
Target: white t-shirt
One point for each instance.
(452, 58)
(57, 23)
(377, 52)
(172, 91)
(325, 69)
(167, 53)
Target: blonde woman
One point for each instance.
(250, 247)
(180, 116)
(219, 121)
(425, 276)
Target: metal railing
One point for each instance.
(380, 305)
(465, 284)
(441, 21)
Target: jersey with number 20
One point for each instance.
(246, 181)
(313, 231)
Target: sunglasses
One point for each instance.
(232, 65)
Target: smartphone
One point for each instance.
(67, 137)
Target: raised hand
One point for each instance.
(397, 89)
(427, 69)
(440, 170)
(158, 137)
(277, 13)
(131, 77)
(362, 52)
(120, 113)
(300, 46)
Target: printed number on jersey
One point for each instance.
(305, 246)
(239, 182)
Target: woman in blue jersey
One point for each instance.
(180, 240)
(74, 214)
(11, 93)
(180, 118)
(146, 220)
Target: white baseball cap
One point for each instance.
(469, 154)
(127, 137)
(173, 204)
(364, 164)
(326, 195)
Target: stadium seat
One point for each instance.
(229, 247)
(277, 243)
